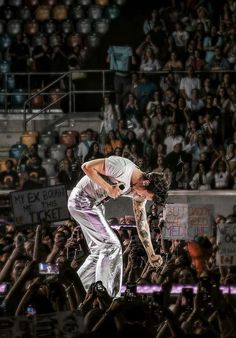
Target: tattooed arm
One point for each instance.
(144, 232)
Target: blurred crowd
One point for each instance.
(174, 109)
(38, 276)
(174, 112)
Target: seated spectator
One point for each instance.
(160, 165)
(230, 156)
(173, 63)
(122, 130)
(226, 83)
(202, 179)
(222, 101)
(145, 88)
(132, 151)
(232, 105)
(188, 83)
(131, 111)
(132, 138)
(203, 18)
(151, 21)
(146, 128)
(181, 114)
(144, 45)
(27, 155)
(210, 125)
(218, 62)
(130, 89)
(9, 178)
(221, 170)
(210, 42)
(184, 177)
(154, 139)
(109, 117)
(71, 158)
(36, 174)
(196, 61)
(172, 137)
(154, 101)
(210, 108)
(170, 80)
(169, 101)
(180, 39)
(160, 121)
(67, 175)
(93, 152)
(86, 139)
(195, 104)
(198, 36)
(149, 62)
(143, 164)
(230, 48)
(177, 157)
(207, 88)
(192, 129)
(112, 143)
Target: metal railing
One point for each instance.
(73, 81)
(69, 89)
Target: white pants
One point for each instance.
(105, 259)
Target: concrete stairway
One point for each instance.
(12, 125)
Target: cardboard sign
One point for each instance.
(176, 221)
(226, 240)
(200, 220)
(185, 221)
(45, 204)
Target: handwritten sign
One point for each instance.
(226, 240)
(184, 221)
(200, 220)
(36, 205)
(176, 221)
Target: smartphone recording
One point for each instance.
(48, 269)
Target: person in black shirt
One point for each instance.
(176, 158)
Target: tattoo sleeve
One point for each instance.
(143, 227)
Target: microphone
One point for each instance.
(107, 198)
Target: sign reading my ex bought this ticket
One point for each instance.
(36, 205)
(185, 221)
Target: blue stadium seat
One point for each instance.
(16, 150)
(57, 152)
(5, 41)
(48, 138)
(50, 165)
(18, 99)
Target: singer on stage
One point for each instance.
(110, 178)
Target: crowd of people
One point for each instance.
(180, 122)
(174, 108)
(39, 272)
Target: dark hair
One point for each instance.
(159, 186)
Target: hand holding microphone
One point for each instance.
(114, 192)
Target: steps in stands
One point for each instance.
(76, 121)
(12, 125)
